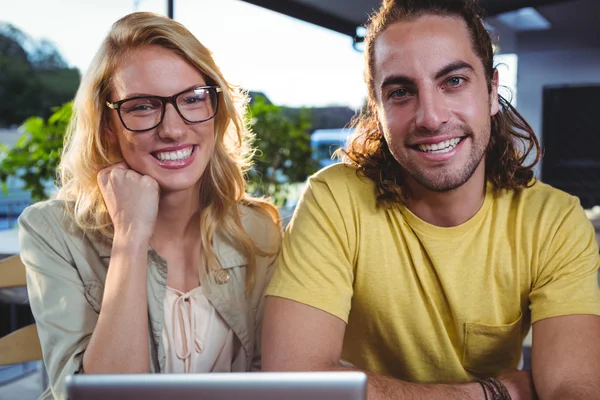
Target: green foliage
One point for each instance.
(282, 160)
(32, 81)
(36, 155)
(17, 89)
(57, 86)
(284, 152)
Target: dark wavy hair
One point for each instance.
(512, 139)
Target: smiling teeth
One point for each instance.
(175, 155)
(441, 147)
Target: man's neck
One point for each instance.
(452, 208)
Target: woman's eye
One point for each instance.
(196, 99)
(141, 107)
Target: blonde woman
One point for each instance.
(152, 258)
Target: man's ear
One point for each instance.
(494, 101)
(378, 118)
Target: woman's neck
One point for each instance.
(178, 216)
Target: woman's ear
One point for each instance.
(108, 128)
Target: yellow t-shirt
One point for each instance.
(429, 304)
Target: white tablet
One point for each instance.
(221, 386)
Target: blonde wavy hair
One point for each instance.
(87, 149)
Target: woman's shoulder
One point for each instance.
(261, 223)
(44, 212)
(52, 222)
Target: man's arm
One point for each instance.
(565, 305)
(298, 337)
(566, 357)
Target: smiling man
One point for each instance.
(425, 258)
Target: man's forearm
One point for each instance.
(384, 388)
(575, 391)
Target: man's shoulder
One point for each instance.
(541, 195)
(344, 185)
(341, 174)
(336, 170)
(541, 204)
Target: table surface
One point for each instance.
(9, 241)
(9, 244)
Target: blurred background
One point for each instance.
(302, 63)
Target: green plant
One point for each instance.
(283, 156)
(37, 153)
(34, 77)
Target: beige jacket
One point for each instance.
(66, 271)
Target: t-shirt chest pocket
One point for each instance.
(490, 349)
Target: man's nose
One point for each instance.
(432, 111)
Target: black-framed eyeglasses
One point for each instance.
(143, 113)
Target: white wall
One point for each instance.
(551, 68)
(504, 37)
(537, 70)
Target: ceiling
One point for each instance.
(573, 22)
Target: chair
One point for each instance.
(22, 345)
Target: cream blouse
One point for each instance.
(195, 336)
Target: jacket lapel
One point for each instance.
(229, 298)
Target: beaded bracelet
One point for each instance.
(495, 387)
(484, 389)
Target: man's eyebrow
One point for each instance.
(407, 81)
(397, 80)
(454, 66)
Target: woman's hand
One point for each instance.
(131, 200)
(119, 343)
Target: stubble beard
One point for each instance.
(446, 180)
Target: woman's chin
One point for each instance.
(174, 187)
